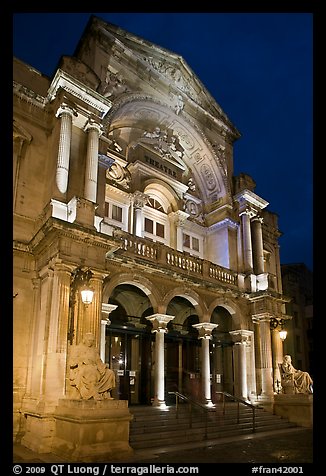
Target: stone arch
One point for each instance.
(188, 294)
(233, 308)
(135, 114)
(134, 279)
(163, 192)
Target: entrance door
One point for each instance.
(182, 366)
(129, 355)
(222, 369)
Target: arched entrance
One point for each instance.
(221, 353)
(129, 343)
(182, 349)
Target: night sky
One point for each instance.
(259, 69)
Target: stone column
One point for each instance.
(55, 370)
(277, 353)
(205, 334)
(105, 321)
(258, 253)
(160, 322)
(94, 131)
(178, 219)
(266, 365)
(246, 238)
(139, 200)
(240, 339)
(66, 114)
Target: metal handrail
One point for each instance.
(244, 402)
(191, 403)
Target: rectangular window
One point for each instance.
(116, 213)
(106, 209)
(186, 240)
(190, 242)
(149, 225)
(160, 230)
(195, 244)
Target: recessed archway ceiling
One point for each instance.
(139, 115)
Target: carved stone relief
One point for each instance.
(119, 175)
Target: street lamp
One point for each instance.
(275, 323)
(79, 283)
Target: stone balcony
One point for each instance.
(182, 263)
(122, 245)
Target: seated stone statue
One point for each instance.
(300, 381)
(90, 377)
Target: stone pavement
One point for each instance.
(283, 447)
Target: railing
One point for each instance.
(243, 402)
(191, 403)
(182, 262)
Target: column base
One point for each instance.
(158, 403)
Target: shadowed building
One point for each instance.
(123, 181)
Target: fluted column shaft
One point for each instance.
(266, 356)
(94, 131)
(247, 244)
(258, 253)
(66, 114)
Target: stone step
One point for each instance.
(152, 427)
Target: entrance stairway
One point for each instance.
(152, 427)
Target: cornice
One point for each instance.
(73, 86)
(28, 95)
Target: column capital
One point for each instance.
(241, 336)
(160, 322)
(139, 199)
(105, 311)
(262, 317)
(92, 125)
(250, 212)
(258, 219)
(64, 108)
(179, 217)
(205, 329)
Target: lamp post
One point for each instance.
(79, 283)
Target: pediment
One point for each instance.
(133, 63)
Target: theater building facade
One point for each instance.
(123, 180)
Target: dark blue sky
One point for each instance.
(259, 69)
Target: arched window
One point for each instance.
(156, 223)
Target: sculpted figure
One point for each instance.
(90, 377)
(302, 380)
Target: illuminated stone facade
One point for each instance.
(123, 165)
